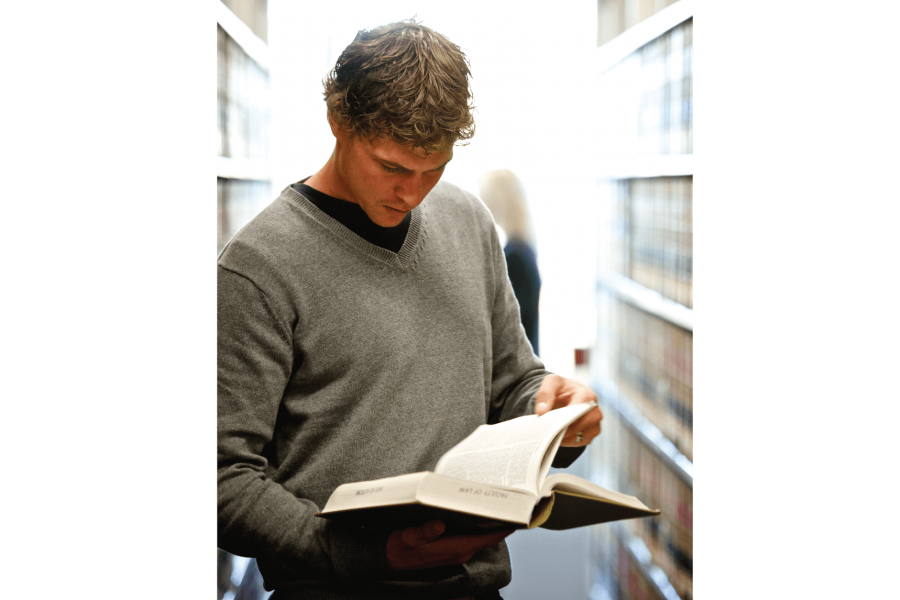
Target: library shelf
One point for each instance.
(648, 433)
(645, 126)
(647, 300)
(614, 51)
(641, 557)
(251, 169)
(243, 35)
(648, 165)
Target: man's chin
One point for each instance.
(392, 218)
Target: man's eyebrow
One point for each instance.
(394, 165)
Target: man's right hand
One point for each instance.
(424, 548)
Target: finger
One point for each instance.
(419, 536)
(586, 421)
(454, 549)
(469, 544)
(546, 395)
(551, 395)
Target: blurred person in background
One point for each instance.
(366, 325)
(504, 195)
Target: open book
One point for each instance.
(494, 478)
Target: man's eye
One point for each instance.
(392, 169)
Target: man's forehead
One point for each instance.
(391, 151)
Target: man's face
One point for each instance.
(386, 179)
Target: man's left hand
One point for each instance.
(557, 392)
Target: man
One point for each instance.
(367, 325)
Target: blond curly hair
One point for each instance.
(405, 82)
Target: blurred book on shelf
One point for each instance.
(653, 370)
(652, 235)
(222, 90)
(243, 102)
(665, 77)
(243, 117)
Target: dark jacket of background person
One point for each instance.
(504, 195)
(521, 263)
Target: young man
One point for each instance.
(367, 325)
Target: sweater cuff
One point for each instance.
(566, 455)
(359, 553)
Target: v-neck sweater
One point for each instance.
(342, 361)
(354, 218)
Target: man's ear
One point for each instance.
(336, 129)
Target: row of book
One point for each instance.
(238, 201)
(653, 368)
(652, 235)
(661, 74)
(670, 536)
(635, 469)
(243, 98)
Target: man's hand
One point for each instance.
(557, 392)
(424, 548)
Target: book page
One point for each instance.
(573, 484)
(510, 453)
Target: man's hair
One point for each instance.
(404, 82)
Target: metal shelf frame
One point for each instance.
(243, 35)
(614, 51)
(647, 300)
(253, 169)
(648, 433)
(648, 165)
(641, 556)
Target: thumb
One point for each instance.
(419, 536)
(546, 396)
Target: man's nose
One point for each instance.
(410, 191)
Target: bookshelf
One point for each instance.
(644, 296)
(243, 172)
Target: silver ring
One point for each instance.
(579, 437)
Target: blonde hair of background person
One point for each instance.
(504, 195)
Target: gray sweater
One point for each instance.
(340, 361)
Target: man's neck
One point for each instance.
(325, 181)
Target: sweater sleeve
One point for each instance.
(516, 372)
(256, 515)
